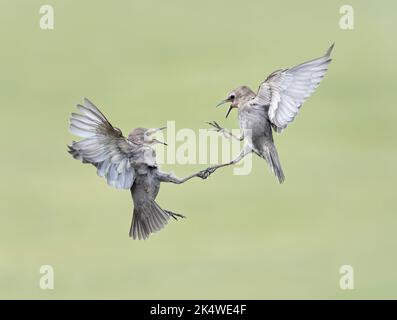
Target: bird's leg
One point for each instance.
(174, 215)
(170, 177)
(207, 172)
(226, 133)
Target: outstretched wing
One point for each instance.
(103, 146)
(284, 91)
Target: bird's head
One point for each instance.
(237, 97)
(145, 136)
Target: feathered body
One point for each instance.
(257, 130)
(126, 163)
(273, 107)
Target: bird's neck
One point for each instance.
(247, 97)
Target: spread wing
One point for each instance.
(103, 146)
(284, 91)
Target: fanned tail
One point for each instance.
(148, 218)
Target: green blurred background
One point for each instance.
(245, 237)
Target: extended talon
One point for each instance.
(175, 215)
(204, 174)
(215, 126)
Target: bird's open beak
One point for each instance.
(158, 141)
(228, 111)
(223, 102)
(159, 129)
(153, 131)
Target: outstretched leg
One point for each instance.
(170, 177)
(207, 172)
(174, 215)
(226, 133)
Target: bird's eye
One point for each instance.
(232, 96)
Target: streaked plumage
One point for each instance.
(125, 163)
(274, 106)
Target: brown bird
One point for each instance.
(126, 163)
(273, 107)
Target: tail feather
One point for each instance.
(148, 218)
(271, 156)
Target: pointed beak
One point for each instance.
(161, 142)
(228, 111)
(162, 128)
(222, 102)
(154, 130)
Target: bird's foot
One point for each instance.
(204, 174)
(215, 126)
(175, 215)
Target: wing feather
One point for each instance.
(285, 91)
(103, 145)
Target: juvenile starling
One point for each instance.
(126, 163)
(274, 106)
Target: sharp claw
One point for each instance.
(216, 126)
(204, 174)
(175, 215)
(179, 215)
